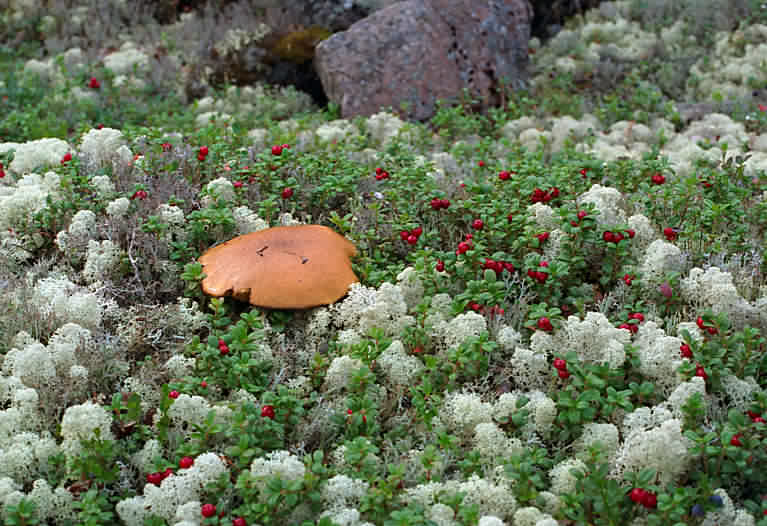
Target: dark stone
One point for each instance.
(416, 52)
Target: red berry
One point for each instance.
(544, 324)
(417, 231)
(94, 83)
(203, 151)
(712, 330)
(617, 237)
(700, 371)
(436, 204)
(637, 495)
(379, 170)
(670, 233)
(403, 235)
(186, 462)
(239, 521)
(735, 440)
(627, 279)
(581, 214)
(564, 374)
(504, 175)
(154, 478)
(509, 218)
(477, 224)
(349, 412)
(463, 247)
(481, 164)
(67, 157)
(173, 394)
(223, 348)
(631, 233)
(203, 384)
(237, 184)
(658, 179)
(287, 193)
(276, 149)
(2, 174)
(608, 237)
(700, 323)
(444, 202)
(685, 351)
(167, 473)
(650, 500)
(412, 240)
(625, 326)
(440, 266)
(637, 316)
(554, 192)
(758, 420)
(268, 411)
(208, 510)
(560, 364)
(509, 267)
(542, 237)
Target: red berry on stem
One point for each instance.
(173, 394)
(276, 149)
(287, 193)
(544, 324)
(208, 510)
(267, 411)
(239, 521)
(477, 224)
(412, 240)
(440, 266)
(564, 374)
(637, 495)
(559, 363)
(186, 462)
(685, 351)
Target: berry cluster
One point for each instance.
(539, 196)
(544, 324)
(658, 179)
(465, 245)
(648, 499)
(381, 174)
(277, 149)
(498, 266)
(202, 153)
(157, 477)
(438, 204)
(633, 327)
(411, 236)
(223, 347)
(616, 237)
(537, 275)
(708, 328)
(560, 365)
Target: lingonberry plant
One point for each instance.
(543, 283)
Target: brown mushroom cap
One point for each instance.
(285, 267)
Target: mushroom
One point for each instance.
(285, 267)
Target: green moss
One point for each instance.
(298, 46)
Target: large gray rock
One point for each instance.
(415, 52)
